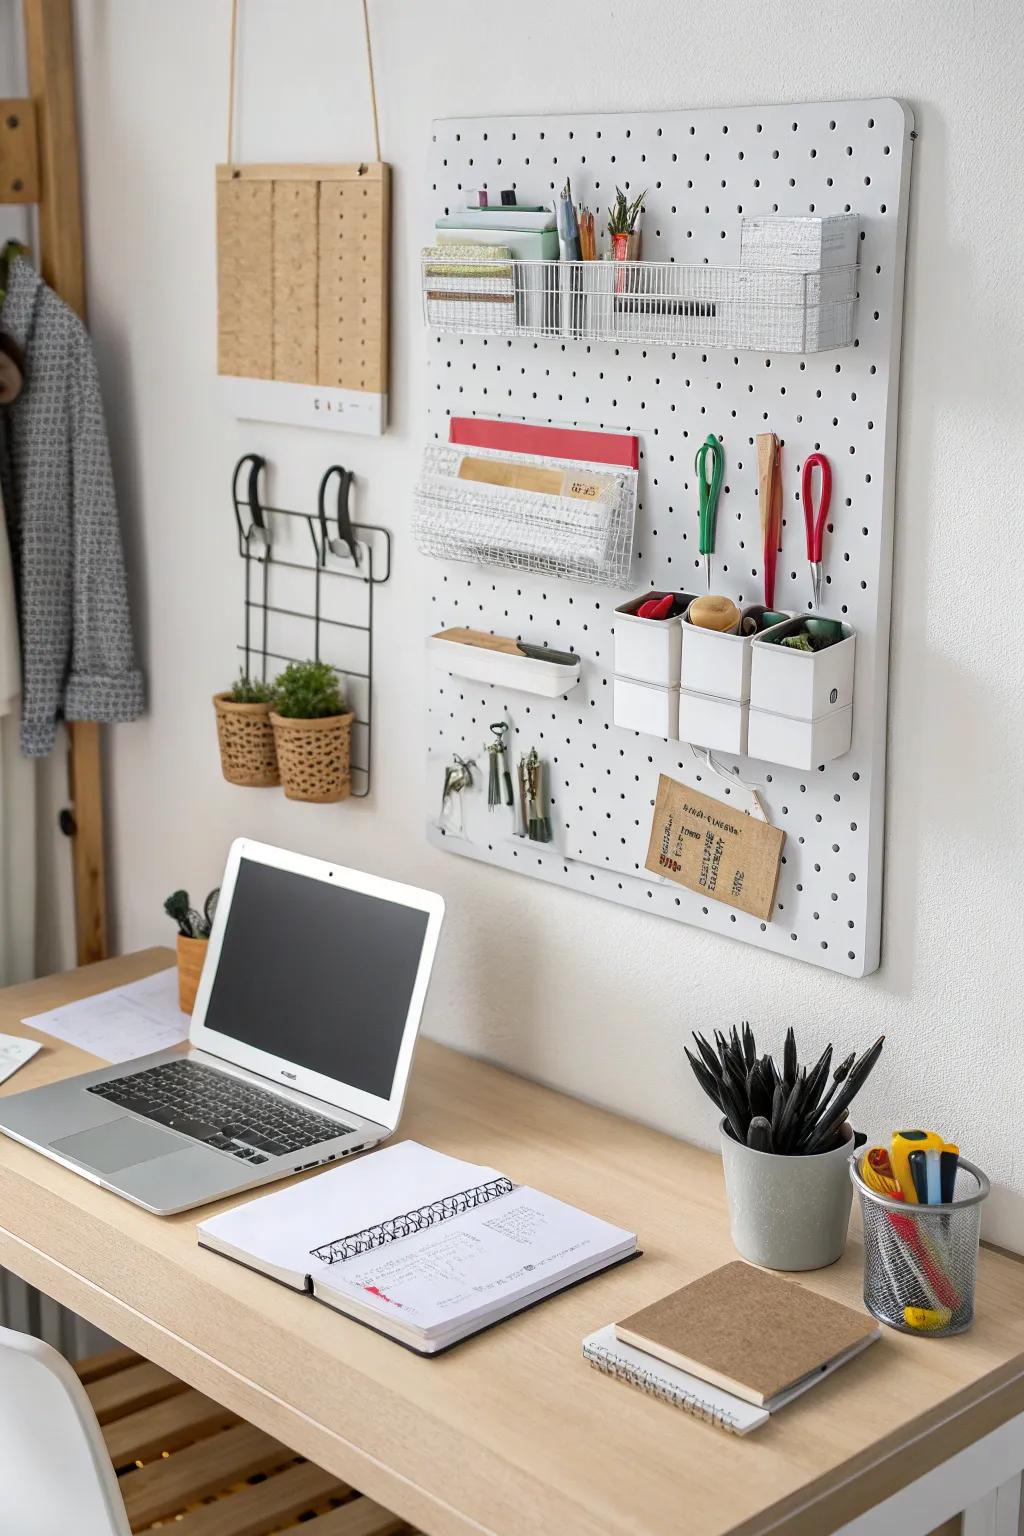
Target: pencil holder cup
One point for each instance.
(921, 1261)
(787, 1213)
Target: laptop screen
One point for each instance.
(317, 974)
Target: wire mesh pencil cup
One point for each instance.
(921, 1261)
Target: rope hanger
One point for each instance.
(231, 81)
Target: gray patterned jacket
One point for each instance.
(78, 655)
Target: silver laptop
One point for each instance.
(298, 1053)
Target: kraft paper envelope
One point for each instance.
(715, 849)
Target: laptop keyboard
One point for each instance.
(220, 1111)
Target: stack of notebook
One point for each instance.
(732, 1347)
(468, 289)
(459, 275)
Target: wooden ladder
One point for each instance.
(39, 164)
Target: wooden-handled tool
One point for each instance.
(486, 642)
(769, 495)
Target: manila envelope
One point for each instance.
(715, 849)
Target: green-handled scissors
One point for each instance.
(710, 467)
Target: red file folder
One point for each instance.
(617, 448)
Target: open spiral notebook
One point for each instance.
(425, 1248)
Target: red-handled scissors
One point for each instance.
(815, 526)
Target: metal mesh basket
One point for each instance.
(921, 1261)
(650, 302)
(586, 539)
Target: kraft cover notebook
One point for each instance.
(425, 1248)
(759, 1337)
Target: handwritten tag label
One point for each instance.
(715, 849)
(582, 487)
(578, 485)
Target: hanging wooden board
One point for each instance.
(302, 293)
(19, 153)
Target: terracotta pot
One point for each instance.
(620, 246)
(246, 739)
(191, 958)
(315, 757)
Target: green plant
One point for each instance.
(308, 690)
(192, 924)
(785, 1112)
(249, 690)
(622, 216)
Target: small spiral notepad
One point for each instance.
(698, 1398)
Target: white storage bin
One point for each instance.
(715, 663)
(705, 721)
(646, 708)
(801, 684)
(648, 650)
(799, 242)
(799, 743)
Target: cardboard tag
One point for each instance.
(715, 849)
(578, 485)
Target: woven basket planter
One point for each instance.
(246, 739)
(315, 757)
(191, 958)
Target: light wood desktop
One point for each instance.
(511, 1433)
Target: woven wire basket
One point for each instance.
(921, 1261)
(651, 302)
(523, 530)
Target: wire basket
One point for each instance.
(585, 537)
(650, 302)
(921, 1261)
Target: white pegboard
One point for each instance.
(703, 170)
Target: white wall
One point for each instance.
(580, 993)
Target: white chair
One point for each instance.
(55, 1473)
(183, 1458)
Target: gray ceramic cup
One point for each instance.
(788, 1213)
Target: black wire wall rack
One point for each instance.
(340, 550)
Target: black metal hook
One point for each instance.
(258, 528)
(345, 543)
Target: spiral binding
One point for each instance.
(417, 1220)
(646, 1381)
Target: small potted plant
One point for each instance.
(786, 1142)
(193, 941)
(623, 217)
(312, 733)
(245, 735)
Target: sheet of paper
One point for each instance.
(281, 1229)
(123, 1023)
(14, 1052)
(488, 1255)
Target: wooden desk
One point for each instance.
(511, 1433)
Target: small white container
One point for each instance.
(799, 242)
(645, 707)
(706, 721)
(648, 650)
(802, 684)
(798, 743)
(716, 663)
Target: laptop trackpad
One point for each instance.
(117, 1144)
